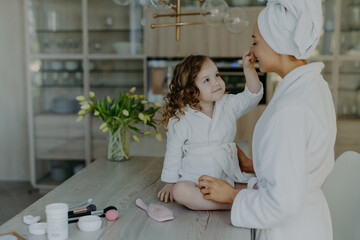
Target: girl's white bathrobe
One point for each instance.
(293, 153)
(198, 145)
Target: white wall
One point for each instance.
(14, 157)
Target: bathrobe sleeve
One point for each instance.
(243, 102)
(176, 136)
(281, 173)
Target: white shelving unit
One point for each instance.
(339, 49)
(71, 50)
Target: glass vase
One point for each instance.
(118, 145)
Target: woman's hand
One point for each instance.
(246, 164)
(217, 190)
(249, 60)
(166, 193)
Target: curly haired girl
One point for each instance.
(200, 120)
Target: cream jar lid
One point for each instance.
(38, 228)
(89, 223)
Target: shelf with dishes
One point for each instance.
(56, 171)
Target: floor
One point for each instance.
(14, 197)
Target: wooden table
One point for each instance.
(120, 184)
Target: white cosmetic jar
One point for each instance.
(89, 223)
(57, 221)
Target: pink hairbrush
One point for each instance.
(157, 212)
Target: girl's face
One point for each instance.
(266, 56)
(209, 83)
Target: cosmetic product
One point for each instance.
(38, 228)
(56, 217)
(89, 208)
(30, 219)
(110, 215)
(83, 203)
(89, 223)
(92, 213)
(157, 212)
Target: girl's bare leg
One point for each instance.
(188, 194)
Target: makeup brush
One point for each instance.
(89, 208)
(92, 213)
(110, 215)
(82, 204)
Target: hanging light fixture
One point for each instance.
(215, 13)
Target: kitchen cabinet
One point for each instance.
(74, 46)
(339, 49)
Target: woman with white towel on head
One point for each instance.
(293, 141)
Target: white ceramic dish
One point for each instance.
(57, 65)
(71, 65)
(126, 48)
(89, 223)
(240, 3)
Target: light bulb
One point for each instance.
(236, 20)
(157, 4)
(122, 2)
(214, 11)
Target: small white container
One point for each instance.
(89, 223)
(57, 221)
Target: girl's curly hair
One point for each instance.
(183, 90)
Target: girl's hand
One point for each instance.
(217, 190)
(249, 59)
(166, 193)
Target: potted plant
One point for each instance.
(121, 116)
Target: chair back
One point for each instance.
(342, 192)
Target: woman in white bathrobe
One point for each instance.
(293, 142)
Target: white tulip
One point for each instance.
(82, 112)
(158, 137)
(156, 104)
(132, 90)
(85, 107)
(80, 98)
(136, 138)
(109, 99)
(125, 112)
(102, 126)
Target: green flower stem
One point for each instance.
(118, 147)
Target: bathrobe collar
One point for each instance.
(297, 73)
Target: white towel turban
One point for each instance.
(291, 27)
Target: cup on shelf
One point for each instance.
(59, 173)
(108, 21)
(126, 48)
(57, 65)
(240, 3)
(78, 167)
(71, 65)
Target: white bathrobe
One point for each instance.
(293, 153)
(198, 145)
